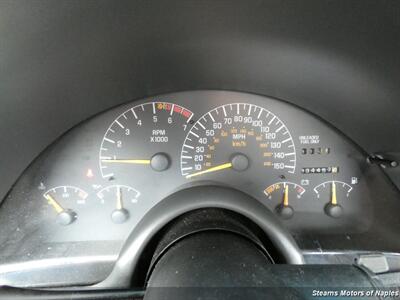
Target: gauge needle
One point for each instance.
(54, 203)
(128, 161)
(213, 169)
(333, 197)
(286, 196)
(119, 198)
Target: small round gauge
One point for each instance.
(120, 198)
(141, 137)
(237, 137)
(65, 201)
(333, 192)
(282, 193)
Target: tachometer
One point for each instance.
(236, 137)
(140, 137)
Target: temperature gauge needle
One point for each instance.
(128, 161)
(213, 169)
(53, 202)
(286, 196)
(284, 209)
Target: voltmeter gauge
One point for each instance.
(333, 192)
(281, 194)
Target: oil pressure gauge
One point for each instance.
(120, 199)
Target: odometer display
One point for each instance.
(237, 137)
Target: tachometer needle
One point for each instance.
(53, 202)
(333, 196)
(213, 169)
(128, 161)
(286, 196)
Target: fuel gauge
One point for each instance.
(282, 193)
(334, 191)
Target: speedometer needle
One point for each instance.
(213, 169)
(128, 161)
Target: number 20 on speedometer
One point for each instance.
(235, 137)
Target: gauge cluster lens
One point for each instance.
(234, 137)
(117, 166)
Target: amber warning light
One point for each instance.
(89, 173)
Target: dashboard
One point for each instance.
(83, 196)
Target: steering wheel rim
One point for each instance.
(190, 199)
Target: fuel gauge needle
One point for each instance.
(333, 209)
(53, 202)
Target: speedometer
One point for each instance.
(236, 137)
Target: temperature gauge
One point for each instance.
(121, 197)
(65, 200)
(282, 193)
(335, 192)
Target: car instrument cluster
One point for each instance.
(95, 183)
